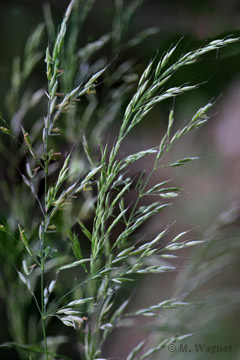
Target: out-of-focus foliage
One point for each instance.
(101, 91)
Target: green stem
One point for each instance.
(43, 310)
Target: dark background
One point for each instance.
(211, 184)
(194, 21)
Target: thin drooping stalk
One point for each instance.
(114, 258)
(53, 63)
(43, 309)
(43, 229)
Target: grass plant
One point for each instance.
(65, 268)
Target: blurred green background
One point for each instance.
(212, 183)
(195, 22)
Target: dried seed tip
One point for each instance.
(35, 170)
(69, 9)
(56, 154)
(21, 230)
(29, 144)
(5, 130)
(87, 188)
(26, 137)
(91, 90)
(25, 241)
(56, 130)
